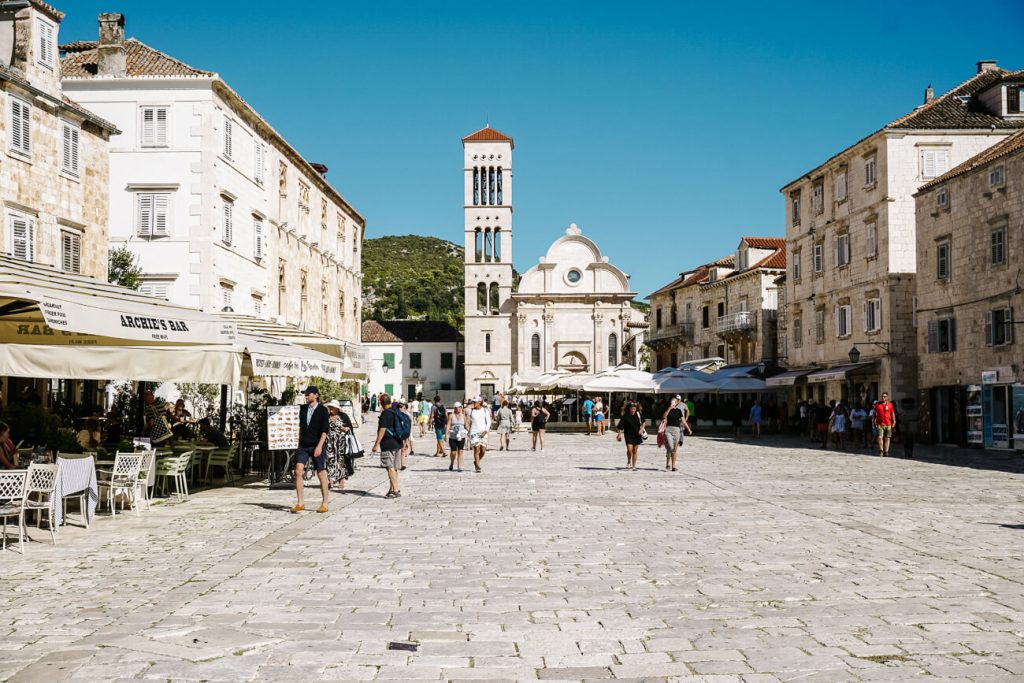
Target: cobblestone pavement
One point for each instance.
(755, 562)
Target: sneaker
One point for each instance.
(297, 509)
(460, 469)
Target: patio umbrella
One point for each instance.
(740, 385)
(683, 381)
(607, 383)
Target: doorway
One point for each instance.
(1001, 403)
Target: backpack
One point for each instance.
(440, 416)
(403, 426)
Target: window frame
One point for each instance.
(228, 148)
(19, 144)
(873, 314)
(227, 213)
(936, 170)
(941, 333)
(154, 196)
(389, 361)
(942, 198)
(160, 129)
(996, 176)
(75, 237)
(843, 252)
(818, 196)
(943, 260)
(871, 237)
(1001, 232)
(1005, 324)
(415, 360)
(46, 44)
(30, 236)
(258, 247)
(844, 321)
(842, 186)
(70, 158)
(819, 257)
(870, 171)
(798, 330)
(819, 326)
(796, 265)
(447, 360)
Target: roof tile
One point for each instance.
(398, 331)
(1005, 147)
(487, 134)
(80, 61)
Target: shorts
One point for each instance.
(423, 419)
(478, 440)
(599, 417)
(822, 427)
(673, 436)
(304, 453)
(587, 417)
(391, 460)
(456, 444)
(504, 428)
(885, 431)
(439, 433)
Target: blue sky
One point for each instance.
(664, 129)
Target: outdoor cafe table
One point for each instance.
(75, 474)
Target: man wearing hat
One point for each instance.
(314, 423)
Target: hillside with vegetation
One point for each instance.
(412, 277)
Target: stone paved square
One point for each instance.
(755, 562)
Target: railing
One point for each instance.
(683, 330)
(736, 322)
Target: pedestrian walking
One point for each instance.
(630, 429)
(517, 415)
(858, 416)
(392, 431)
(438, 419)
(426, 407)
(885, 420)
(373, 403)
(479, 428)
(340, 463)
(599, 416)
(314, 423)
(588, 413)
(538, 424)
(674, 421)
(756, 413)
(457, 433)
(821, 415)
(505, 420)
(838, 423)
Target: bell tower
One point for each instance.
(487, 192)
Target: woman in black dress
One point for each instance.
(630, 426)
(538, 423)
(340, 463)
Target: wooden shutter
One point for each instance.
(864, 312)
(22, 238)
(257, 230)
(148, 126)
(928, 164)
(260, 162)
(952, 333)
(227, 137)
(933, 336)
(989, 329)
(45, 43)
(161, 208)
(21, 126)
(145, 214)
(69, 148)
(71, 252)
(228, 221)
(160, 127)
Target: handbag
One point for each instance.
(662, 426)
(661, 438)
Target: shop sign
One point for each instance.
(989, 376)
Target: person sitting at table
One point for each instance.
(8, 450)
(180, 420)
(212, 434)
(89, 436)
(113, 427)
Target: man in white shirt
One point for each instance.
(479, 426)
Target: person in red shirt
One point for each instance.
(885, 421)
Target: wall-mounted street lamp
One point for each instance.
(855, 352)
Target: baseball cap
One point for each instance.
(477, 399)
(457, 405)
(311, 390)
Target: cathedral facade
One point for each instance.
(571, 311)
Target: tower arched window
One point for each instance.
(490, 186)
(488, 245)
(499, 186)
(535, 350)
(494, 303)
(487, 343)
(613, 350)
(497, 245)
(476, 185)
(478, 246)
(481, 297)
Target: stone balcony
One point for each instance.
(736, 325)
(679, 333)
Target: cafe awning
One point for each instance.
(788, 378)
(838, 372)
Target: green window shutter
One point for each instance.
(389, 389)
(389, 360)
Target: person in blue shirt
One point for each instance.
(755, 418)
(588, 413)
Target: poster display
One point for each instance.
(1018, 416)
(975, 420)
(282, 427)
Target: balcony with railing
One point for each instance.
(741, 323)
(681, 332)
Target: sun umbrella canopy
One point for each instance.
(740, 385)
(683, 381)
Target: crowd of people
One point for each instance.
(857, 425)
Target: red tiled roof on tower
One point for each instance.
(487, 134)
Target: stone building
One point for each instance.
(970, 248)
(572, 311)
(850, 228)
(54, 177)
(222, 212)
(724, 309)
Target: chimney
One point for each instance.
(319, 168)
(987, 65)
(929, 94)
(110, 60)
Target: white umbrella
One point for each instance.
(683, 381)
(740, 385)
(611, 382)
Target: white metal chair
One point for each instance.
(175, 468)
(12, 503)
(123, 479)
(39, 490)
(83, 495)
(148, 463)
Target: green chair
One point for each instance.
(221, 457)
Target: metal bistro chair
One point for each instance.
(221, 457)
(176, 468)
(148, 464)
(39, 492)
(81, 496)
(12, 503)
(123, 479)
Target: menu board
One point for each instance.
(282, 427)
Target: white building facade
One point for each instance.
(572, 311)
(222, 213)
(410, 358)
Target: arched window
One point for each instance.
(493, 300)
(488, 245)
(499, 186)
(478, 246)
(490, 184)
(476, 185)
(487, 343)
(497, 245)
(535, 350)
(481, 297)
(613, 348)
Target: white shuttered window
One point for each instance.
(844, 315)
(872, 239)
(229, 221)
(21, 126)
(257, 234)
(70, 251)
(70, 134)
(154, 126)
(21, 236)
(260, 162)
(872, 315)
(153, 208)
(934, 162)
(46, 48)
(228, 135)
